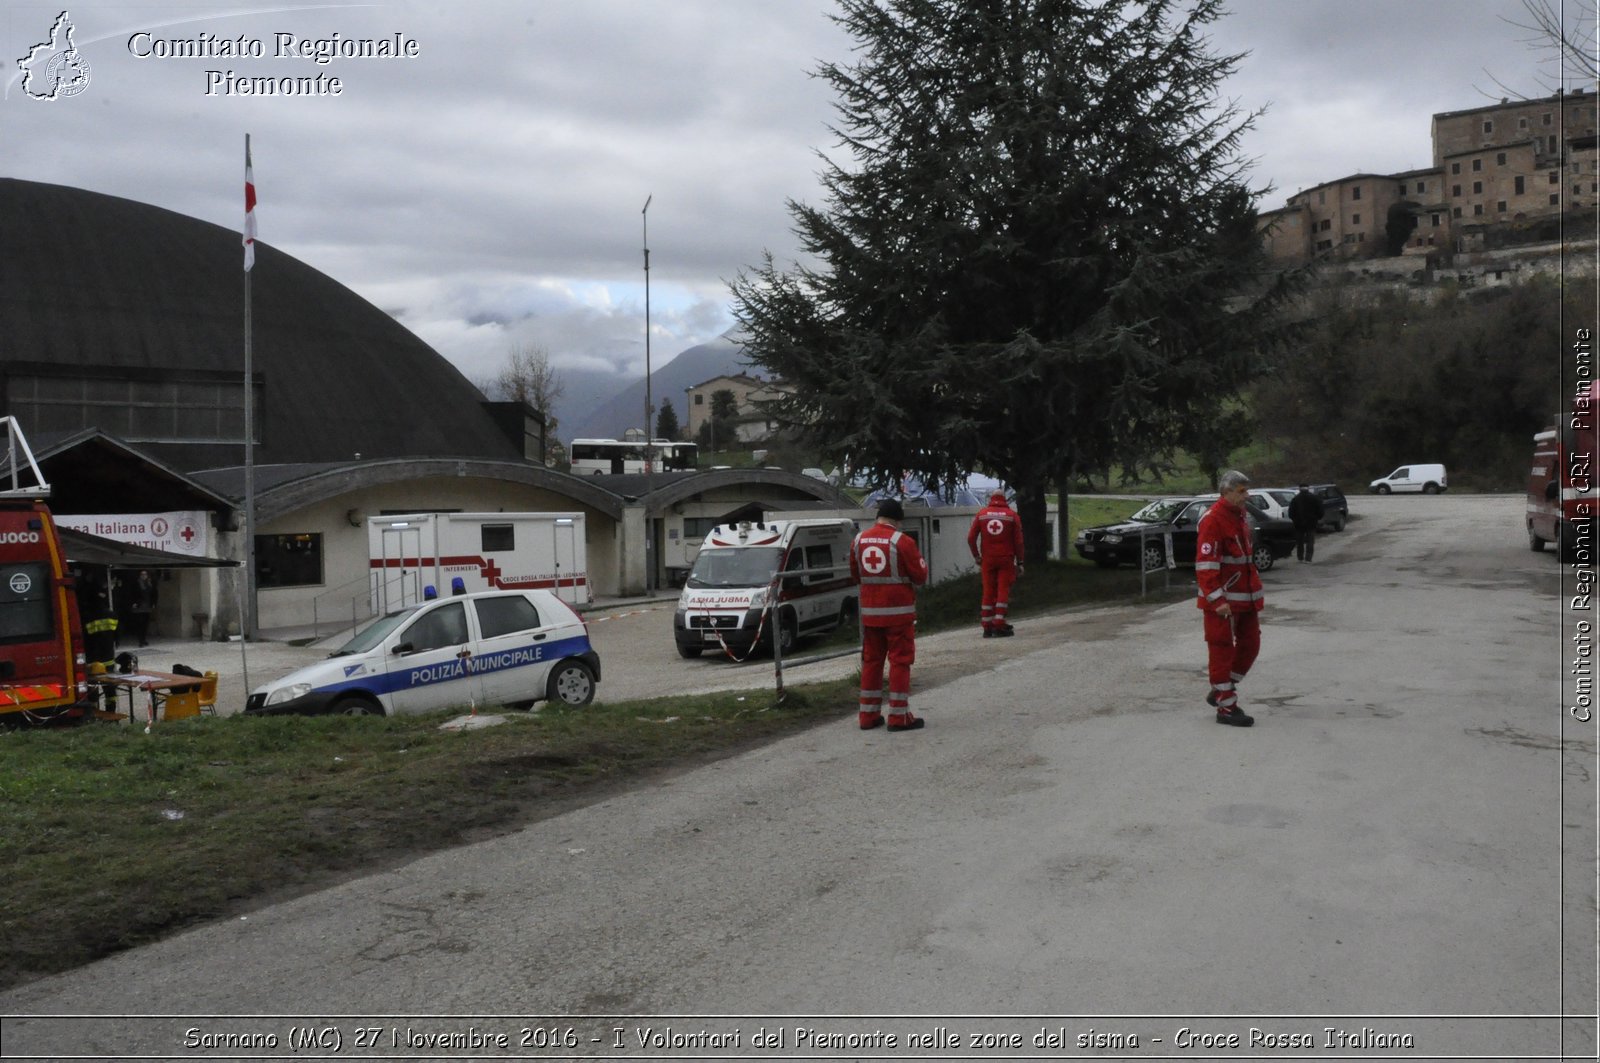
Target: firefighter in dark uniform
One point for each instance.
(888, 566)
(1230, 596)
(99, 624)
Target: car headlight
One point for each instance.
(1111, 537)
(288, 693)
(758, 599)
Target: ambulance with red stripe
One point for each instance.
(753, 581)
(1562, 494)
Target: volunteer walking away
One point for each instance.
(887, 565)
(995, 540)
(1230, 597)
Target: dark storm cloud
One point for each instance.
(488, 191)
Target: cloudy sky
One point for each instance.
(487, 190)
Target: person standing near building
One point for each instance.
(1305, 510)
(1230, 596)
(887, 565)
(141, 604)
(995, 540)
(99, 622)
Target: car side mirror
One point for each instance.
(1180, 522)
(1551, 490)
(403, 648)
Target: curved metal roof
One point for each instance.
(281, 490)
(95, 282)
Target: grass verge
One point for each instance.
(110, 838)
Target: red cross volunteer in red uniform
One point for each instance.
(887, 564)
(999, 558)
(1230, 596)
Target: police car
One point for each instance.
(487, 648)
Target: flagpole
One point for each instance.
(247, 613)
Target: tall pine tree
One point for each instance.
(1039, 258)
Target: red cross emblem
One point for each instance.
(874, 560)
(187, 534)
(996, 526)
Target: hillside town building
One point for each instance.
(1502, 174)
(750, 394)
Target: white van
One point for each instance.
(1429, 479)
(488, 648)
(724, 601)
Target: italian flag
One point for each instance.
(249, 210)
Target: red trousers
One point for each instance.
(899, 645)
(998, 576)
(1232, 643)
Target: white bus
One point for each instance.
(613, 457)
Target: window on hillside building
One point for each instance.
(1456, 213)
(1477, 188)
(1517, 185)
(1555, 199)
(1522, 123)
(1488, 126)
(1435, 218)
(1421, 187)
(1355, 219)
(1500, 207)
(1355, 193)
(1455, 168)
(1500, 159)
(1544, 119)
(1477, 165)
(1455, 190)
(1477, 209)
(1555, 178)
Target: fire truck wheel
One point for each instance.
(572, 684)
(688, 652)
(1535, 543)
(357, 706)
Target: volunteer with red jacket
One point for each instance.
(888, 566)
(1230, 596)
(999, 560)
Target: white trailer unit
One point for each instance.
(412, 552)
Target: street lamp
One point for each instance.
(649, 429)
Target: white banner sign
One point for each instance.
(181, 532)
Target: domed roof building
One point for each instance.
(122, 327)
(129, 318)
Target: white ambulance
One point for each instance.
(453, 552)
(736, 592)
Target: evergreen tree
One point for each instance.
(1036, 260)
(667, 426)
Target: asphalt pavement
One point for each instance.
(1071, 860)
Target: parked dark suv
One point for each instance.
(1145, 535)
(1335, 510)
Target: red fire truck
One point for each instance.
(1562, 496)
(42, 669)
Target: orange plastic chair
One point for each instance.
(208, 694)
(180, 706)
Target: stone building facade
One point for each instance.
(1507, 164)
